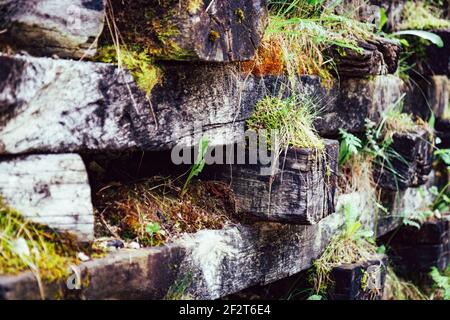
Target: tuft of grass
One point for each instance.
(153, 211)
(352, 245)
(146, 74)
(291, 118)
(304, 31)
(396, 288)
(419, 15)
(26, 246)
(178, 290)
(395, 120)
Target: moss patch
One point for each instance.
(146, 74)
(153, 212)
(29, 246)
(154, 27)
(419, 15)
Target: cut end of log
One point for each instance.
(50, 189)
(300, 189)
(68, 29)
(193, 30)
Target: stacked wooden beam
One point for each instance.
(418, 250)
(53, 110)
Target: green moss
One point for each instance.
(155, 30)
(166, 47)
(140, 64)
(292, 117)
(364, 280)
(419, 15)
(214, 36)
(28, 246)
(240, 15)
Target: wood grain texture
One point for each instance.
(410, 165)
(84, 106)
(50, 189)
(211, 264)
(439, 95)
(379, 56)
(193, 30)
(67, 28)
(300, 190)
(95, 107)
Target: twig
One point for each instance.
(209, 6)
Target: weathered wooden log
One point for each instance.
(437, 60)
(417, 250)
(359, 9)
(430, 232)
(211, 264)
(394, 11)
(52, 190)
(427, 96)
(69, 29)
(399, 204)
(359, 281)
(415, 100)
(107, 112)
(410, 260)
(206, 265)
(379, 56)
(410, 163)
(193, 30)
(85, 106)
(439, 95)
(299, 189)
(354, 101)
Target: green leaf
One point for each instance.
(350, 145)
(443, 155)
(441, 282)
(434, 38)
(383, 19)
(381, 250)
(153, 228)
(200, 162)
(432, 121)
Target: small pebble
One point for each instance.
(83, 257)
(134, 245)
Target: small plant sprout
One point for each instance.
(354, 244)
(199, 164)
(350, 146)
(441, 282)
(154, 229)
